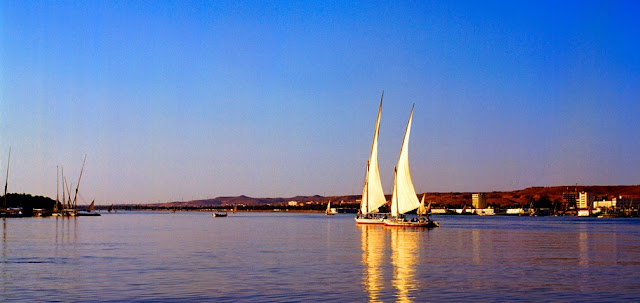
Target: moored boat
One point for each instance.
(219, 214)
(11, 212)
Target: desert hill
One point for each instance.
(523, 197)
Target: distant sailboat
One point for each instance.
(372, 193)
(90, 210)
(110, 208)
(330, 211)
(404, 198)
(421, 209)
(219, 214)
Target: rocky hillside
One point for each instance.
(523, 197)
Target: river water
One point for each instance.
(292, 257)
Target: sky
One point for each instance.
(183, 100)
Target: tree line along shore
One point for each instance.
(553, 198)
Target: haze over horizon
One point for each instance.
(194, 100)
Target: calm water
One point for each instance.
(287, 257)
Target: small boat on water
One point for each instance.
(414, 222)
(219, 214)
(89, 212)
(330, 211)
(372, 194)
(404, 198)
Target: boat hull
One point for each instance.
(406, 223)
(87, 214)
(378, 221)
(217, 215)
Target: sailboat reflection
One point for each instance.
(373, 248)
(404, 258)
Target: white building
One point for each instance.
(605, 203)
(585, 200)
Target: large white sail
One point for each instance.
(372, 194)
(404, 198)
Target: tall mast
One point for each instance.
(55, 208)
(404, 190)
(372, 193)
(79, 178)
(6, 184)
(365, 192)
(373, 145)
(64, 196)
(395, 191)
(68, 193)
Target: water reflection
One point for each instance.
(583, 256)
(477, 244)
(5, 276)
(403, 258)
(263, 257)
(583, 247)
(373, 248)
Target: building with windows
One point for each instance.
(626, 202)
(569, 199)
(585, 200)
(479, 201)
(605, 203)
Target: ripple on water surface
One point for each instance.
(285, 257)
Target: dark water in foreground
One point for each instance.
(287, 257)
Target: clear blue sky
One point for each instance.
(187, 100)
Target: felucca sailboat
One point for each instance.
(329, 211)
(372, 194)
(404, 198)
(90, 210)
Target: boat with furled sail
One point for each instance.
(404, 198)
(9, 211)
(372, 194)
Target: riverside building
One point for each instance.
(585, 200)
(479, 201)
